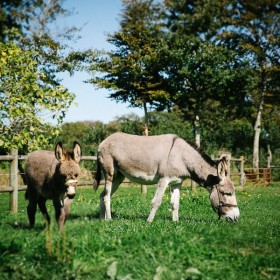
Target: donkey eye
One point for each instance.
(227, 193)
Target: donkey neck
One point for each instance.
(202, 172)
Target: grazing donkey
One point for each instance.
(52, 175)
(163, 159)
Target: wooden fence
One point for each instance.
(14, 176)
(260, 176)
(14, 187)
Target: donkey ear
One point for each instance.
(77, 151)
(222, 169)
(59, 153)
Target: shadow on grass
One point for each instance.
(12, 247)
(144, 216)
(115, 216)
(25, 226)
(89, 216)
(165, 218)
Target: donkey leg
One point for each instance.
(111, 185)
(105, 201)
(107, 168)
(102, 205)
(175, 201)
(43, 209)
(67, 204)
(117, 180)
(32, 197)
(59, 213)
(31, 212)
(156, 202)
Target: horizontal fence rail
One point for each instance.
(261, 176)
(11, 158)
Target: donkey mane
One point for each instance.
(202, 153)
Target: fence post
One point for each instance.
(242, 172)
(14, 182)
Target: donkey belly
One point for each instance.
(43, 190)
(141, 177)
(46, 191)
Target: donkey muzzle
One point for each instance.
(71, 188)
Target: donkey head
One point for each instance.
(222, 194)
(68, 167)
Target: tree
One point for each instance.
(170, 122)
(14, 16)
(202, 75)
(30, 90)
(253, 28)
(130, 123)
(27, 101)
(132, 69)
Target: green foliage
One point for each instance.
(32, 100)
(132, 70)
(204, 77)
(130, 123)
(27, 100)
(199, 246)
(21, 19)
(234, 136)
(71, 132)
(171, 52)
(170, 122)
(14, 17)
(91, 134)
(208, 81)
(253, 28)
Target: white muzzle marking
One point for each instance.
(71, 190)
(71, 182)
(232, 214)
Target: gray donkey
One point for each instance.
(165, 160)
(52, 175)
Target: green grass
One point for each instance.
(199, 246)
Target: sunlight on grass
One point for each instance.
(199, 246)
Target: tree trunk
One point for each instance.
(197, 137)
(269, 156)
(258, 123)
(197, 134)
(146, 120)
(257, 128)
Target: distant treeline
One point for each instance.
(235, 136)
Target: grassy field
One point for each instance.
(199, 246)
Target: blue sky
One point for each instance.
(98, 18)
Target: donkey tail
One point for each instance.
(97, 179)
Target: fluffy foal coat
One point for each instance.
(52, 175)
